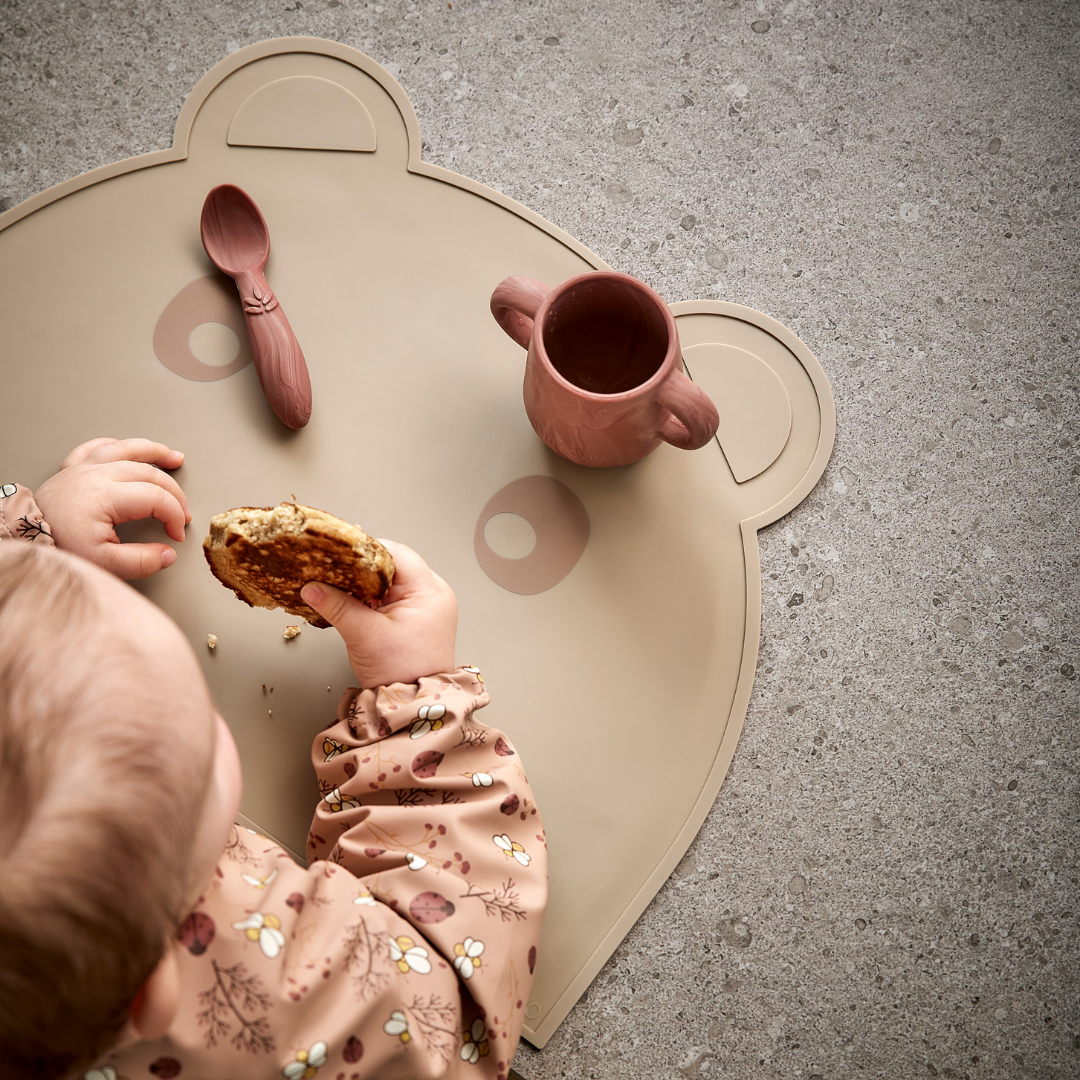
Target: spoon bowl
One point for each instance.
(234, 232)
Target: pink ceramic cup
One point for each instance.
(604, 382)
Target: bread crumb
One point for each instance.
(211, 641)
(291, 632)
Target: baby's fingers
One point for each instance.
(135, 501)
(82, 451)
(412, 575)
(152, 453)
(352, 618)
(131, 561)
(127, 471)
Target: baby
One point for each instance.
(142, 933)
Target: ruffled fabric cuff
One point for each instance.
(374, 714)
(20, 518)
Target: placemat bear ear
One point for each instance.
(777, 413)
(303, 112)
(636, 647)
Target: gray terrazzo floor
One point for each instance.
(887, 885)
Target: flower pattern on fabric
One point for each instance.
(416, 862)
(479, 779)
(338, 802)
(365, 899)
(30, 530)
(475, 1044)
(331, 748)
(429, 718)
(467, 956)
(398, 1025)
(21, 518)
(307, 1063)
(409, 956)
(512, 849)
(473, 671)
(260, 882)
(266, 930)
(106, 1072)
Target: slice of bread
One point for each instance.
(267, 554)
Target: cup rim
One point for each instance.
(658, 376)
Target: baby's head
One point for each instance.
(118, 785)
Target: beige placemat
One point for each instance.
(624, 682)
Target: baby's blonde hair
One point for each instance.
(97, 818)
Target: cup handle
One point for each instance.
(514, 303)
(692, 419)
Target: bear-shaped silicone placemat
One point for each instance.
(619, 651)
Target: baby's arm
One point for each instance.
(432, 808)
(108, 481)
(421, 964)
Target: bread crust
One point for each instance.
(267, 554)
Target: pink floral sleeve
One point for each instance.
(20, 518)
(407, 947)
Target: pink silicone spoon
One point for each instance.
(236, 238)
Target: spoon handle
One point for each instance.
(279, 363)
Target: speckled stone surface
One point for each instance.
(887, 885)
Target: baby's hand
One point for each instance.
(410, 635)
(108, 481)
